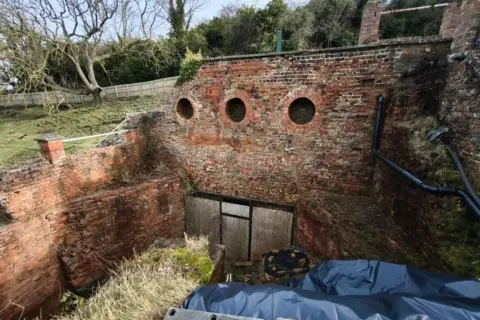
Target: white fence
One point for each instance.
(154, 87)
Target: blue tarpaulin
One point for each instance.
(359, 289)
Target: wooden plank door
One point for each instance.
(271, 229)
(203, 218)
(235, 231)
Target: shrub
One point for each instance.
(190, 66)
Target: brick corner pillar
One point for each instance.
(369, 29)
(468, 26)
(51, 147)
(450, 21)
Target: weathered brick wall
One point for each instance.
(460, 111)
(36, 197)
(324, 166)
(468, 27)
(369, 30)
(450, 20)
(107, 226)
(454, 101)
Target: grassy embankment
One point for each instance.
(18, 127)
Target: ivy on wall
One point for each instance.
(190, 66)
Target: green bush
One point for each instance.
(190, 66)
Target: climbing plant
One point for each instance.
(190, 66)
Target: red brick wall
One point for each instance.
(369, 29)
(105, 227)
(37, 198)
(324, 166)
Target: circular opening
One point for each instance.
(301, 111)
(172, 312)
(236, 109)
(185, 108)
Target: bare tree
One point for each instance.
(33, 33)
(192, 7)
(332, 22)
(181, 13)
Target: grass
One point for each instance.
(18, 127)
(148, 285)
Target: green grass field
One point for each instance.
(18, 127)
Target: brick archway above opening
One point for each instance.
(309, 94)
(181, 119)
(224, 116)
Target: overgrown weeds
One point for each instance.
(146, 286)
(457, 231)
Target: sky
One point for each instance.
(215, 6)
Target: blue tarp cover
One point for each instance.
(358, 289)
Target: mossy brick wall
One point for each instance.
(37, 198)
(460, 111)
(324, 166)
(107, 226)
(454, 100)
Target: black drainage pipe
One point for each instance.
(428, 188)
(469, 189)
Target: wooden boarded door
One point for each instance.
(202, 218)
(235, 230)
(271, 229)
(246, 227)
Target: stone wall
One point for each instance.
(36, 200)
(324, 166)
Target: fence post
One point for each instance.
(151, 87)
(116, 91)
(128, 91)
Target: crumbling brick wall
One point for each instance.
(107, 226)
(37, 198)
(325, 166)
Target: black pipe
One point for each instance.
(470, 190)
(378, 122)
(432, 189)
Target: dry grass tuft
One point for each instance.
(425, 151)
(196, 244)
(146, 286)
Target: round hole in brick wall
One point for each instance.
(236, 109)
(185, 108)
(301, 111)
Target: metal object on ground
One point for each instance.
(183, 314)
